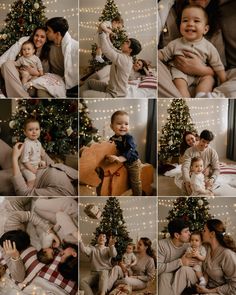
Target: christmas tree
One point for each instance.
(113, 224)
(193, 210)
(87, 132)
(109, 12)
(178, 121)
(23, 18)
(58, 120)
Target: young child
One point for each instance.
(107, 27)
(128, 260)
(100, 257)
(28, 59)
(127, 150)
(32, 157)
(196, 250)
(197, 179)
(193, 27)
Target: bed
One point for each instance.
(146, 87)
(225, 184)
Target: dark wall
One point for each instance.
(5, 115)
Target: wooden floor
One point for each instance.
(167, 187)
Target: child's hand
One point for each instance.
(10, 249)
(42, 164)
(56, 241)
(112, 158)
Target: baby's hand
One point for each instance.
(112, 158)
(42, 164)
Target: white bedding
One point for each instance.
(135, 92)
(224, 186)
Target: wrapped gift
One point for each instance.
(122, 289)
(93, 211)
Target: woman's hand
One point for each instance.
(191, 64)
(32, 70)
(17, 150)
(10, 249)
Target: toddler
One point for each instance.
(126, 149)
(28, 59)
(197, 179)
(128, 260)
(196, 250)
(33, 155)
(193, 27)
(107, 27)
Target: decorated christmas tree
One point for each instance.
(87, 132)
(109, 12)
(113, 224)
(193, 210)
(178, 121)
(58, 119)
(23, 18)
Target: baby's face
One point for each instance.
(193, 24)
(129, 249)
(195, 241)
(49, 252)
(28, 50)
(32, 130)
(120, 125)
(197, 167)
(117, 25)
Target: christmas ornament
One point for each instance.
(36, 5)
(93, 211)
(12, 124)
(69, 131)
(200, 202)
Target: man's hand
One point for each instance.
(10, 249)
(186, 261)
(112, 241)
(209, 183)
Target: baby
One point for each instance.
(196, 250)
(197, 178)
(193, 27)
(127, 150)
(128, 260)
(107, 27)
(28, 59)
(33, 155)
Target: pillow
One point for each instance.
(50, 273)
(32, 265)
(227, 169)
(148, 82)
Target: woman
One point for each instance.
(9, 71)
(140, 67)
(189, 139)
(143, 270)
(189, 64)
(220, 263)
(54, 180)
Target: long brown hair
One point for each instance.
(222, 237)
(184, 145)
(150, 251)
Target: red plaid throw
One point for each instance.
(50, 273)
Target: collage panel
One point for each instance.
(39, 147)
(39, 245)
(118, 245)
(118, 49)
(196, 245)
(39, 49)
(117, 147)
(195, 147)
(196, 49)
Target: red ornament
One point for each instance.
(47, 137)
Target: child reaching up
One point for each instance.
(193, 27)
(33, 155)
(128, 260)
(126, 149)
(107, 27)
(196, 250)
(197, 178)
(28, 59)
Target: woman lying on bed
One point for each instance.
(54, 180)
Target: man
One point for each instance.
(100, 257)
(209, 157)
(63, 55)
(171, 258)
(120, 69)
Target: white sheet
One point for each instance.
(224, 186)
(135, 92)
